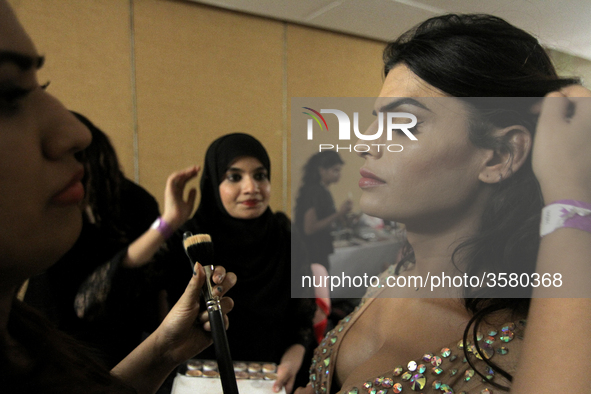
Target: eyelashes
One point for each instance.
(236, 177)
(261, 176)
(411, 129)
(233, 177)
(416, 126)
(11, 96)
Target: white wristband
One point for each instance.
(565, 213)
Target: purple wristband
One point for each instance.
(574, 203)
(566, 213)
(163, 227)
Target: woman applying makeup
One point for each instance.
(39, 221)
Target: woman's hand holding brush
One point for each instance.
(183, 334)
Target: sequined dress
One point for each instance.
(443, 370)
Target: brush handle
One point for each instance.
(222, 349)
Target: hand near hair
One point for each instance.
(176, 208)
(562, 164)
(561, 159)
(176, 212)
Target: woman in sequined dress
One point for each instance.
(467, 193)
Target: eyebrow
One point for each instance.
(24, 62)
(236, 169)
(402, 101)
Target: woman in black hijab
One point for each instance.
(253, 242)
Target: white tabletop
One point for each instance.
(199, 385)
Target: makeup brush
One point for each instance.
(199, 248)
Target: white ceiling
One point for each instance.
(564, 25)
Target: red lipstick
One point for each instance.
(250, 203)
(72, 193)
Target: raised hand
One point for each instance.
(176, 208)
(561, 159)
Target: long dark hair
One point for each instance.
(52, 354)
(311, 177)
(102, 181)
(471, 57)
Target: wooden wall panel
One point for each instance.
(202, 73)
(326, 64)
(571, 66)
(199, 72)
(196, 73)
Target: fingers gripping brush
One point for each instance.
(199, 248)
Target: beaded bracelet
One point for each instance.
(565, 213)
(163, 227)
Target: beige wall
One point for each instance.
(325, 64)
(165, 78)
(201, 73)
(572, 66)
(88, 61)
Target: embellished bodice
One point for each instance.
(453, 368)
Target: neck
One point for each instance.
(433, 252)
(434, 239)
(433, 256)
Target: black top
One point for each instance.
(115, 325)
(265, 320)
(318, 245)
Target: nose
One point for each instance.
(63, 134)
(374, 149)
(250, 185)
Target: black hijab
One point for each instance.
(256, 250)
(265, 321)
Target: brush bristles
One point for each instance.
(199, 248)
(196, 239)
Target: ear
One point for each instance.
(507, 159)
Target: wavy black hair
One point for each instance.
(103, 179)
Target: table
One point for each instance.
(191, 385)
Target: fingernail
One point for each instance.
(220, 278)
(220, 289)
